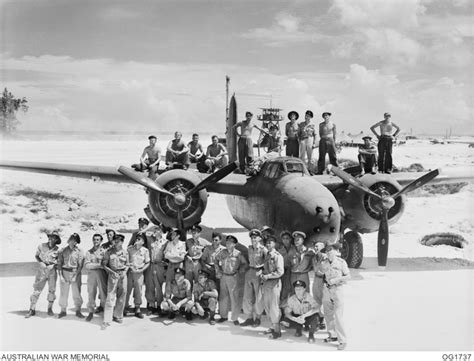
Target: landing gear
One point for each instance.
(352, 249)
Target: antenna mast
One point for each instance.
(227, 80)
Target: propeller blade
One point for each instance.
(346, 177)
(181, 224)
(382, 240)
(417, 183)
(143, 180)
(213, 178)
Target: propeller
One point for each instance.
(213, 178)
(387, 201)
(143, 180)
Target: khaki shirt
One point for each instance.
(300, 307)
(230, 263)
(336, 268)
(306, 130)
(273, 265)
(209, 254)
(138, 257)
(175, 252)
(285, 252)
(199, 289)
(70, 258)
(157, 248)
(181, 290)
(116, 260)
(46, 254)
(300, 260)
(194, 248)
(93, 258)
(257, 256)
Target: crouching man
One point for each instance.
(205, 297)
(178, 293)
(302, 310)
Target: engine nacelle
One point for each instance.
(165, 209)
(363, 211)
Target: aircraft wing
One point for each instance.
(233, 184)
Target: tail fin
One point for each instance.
(231, 137)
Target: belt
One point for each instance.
(256, 268)
(230, 274)
(386, 136)
(69, 269)
(119, 270)
(157, 262)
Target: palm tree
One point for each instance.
(8, 107)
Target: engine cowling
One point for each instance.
(362, 211)
(164, 207)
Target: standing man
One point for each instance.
(335, 274)
(178, 293)
(245, 143)
(216, 155)
(150, 159)
(274, 141)
(301, 310)
(327, 143)
(177, 152)
(318, 284)
(194, 247)
(142, 226)
(70, 263)
(209, 255)
(385, 142)
(367, 156)
(156, 274)
(116, 264)
(284, 249)
(195, 149)
(300, 258)
(291, 132)
(205, 297)
(307, 137)
(272, 271)
(110, 233)
(47, 258)
(257, 253)
(229, 262)
(174, 253)
(139, 262)
(97, 278)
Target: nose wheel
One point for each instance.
(352, 249)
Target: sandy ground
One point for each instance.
(422, 301)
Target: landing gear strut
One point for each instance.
(352, 249)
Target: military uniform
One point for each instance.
(208, 258)
(139, 258)
(155, 275)
(46, 273)
(228, 265)
(286, 287)
(70, 262)
(297, 307)
(97, 277)
(176, 292)
(300, 264)
(174, 253)
(333, 297)
(252, 284)
(117, 261)
(204, 301)
(192, 264)
(273, 269)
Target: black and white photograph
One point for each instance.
(236, 175)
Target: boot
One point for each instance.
(30, 313)
(189, 316)
(149, 309)
(321, 324)
(138, 313)
(62, 314)
(257, 322)
(99, 309)
(275, 334)
(50, 309)
(79, 314)
(89, 317)
(247, 322)
(212, 321)
(311, 337)
(299, 331)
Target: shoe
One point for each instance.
(125, 312)
(104, 326)
(149, 311)
(269, 331)
(299, 332)
(306, 327)
(321, 326)
(311, 338)
(285, 324)
(171, 316)
(30, 313)
(257, 322)
(247, 322)
(274, 335)
(341, 346)
(50, 312)
(89, 316)
(116, 319)
(99, 309)
(189, 316)
(79, 314)
(330, 339)
(212, 321)
(222, 320)
(62, 314)
(236, 323)
(138, 314)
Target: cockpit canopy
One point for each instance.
(281, 166)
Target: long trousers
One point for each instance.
(286, 287)
(228, 297)
(154, 279)
(306, 149)
(245, 151)
(318, 286)
(75, 287)
(367, 162)
(116, 291)
(96, 281)
(292, 147)
(251, 288)
(192, 269)
(42, 277)
(310, 321)
(326, 146)
(270, 301)
(135, 282)
(333, 304)
(385, 153)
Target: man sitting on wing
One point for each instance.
(216, 155)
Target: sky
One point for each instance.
(161, 65)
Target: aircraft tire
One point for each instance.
(353, 249)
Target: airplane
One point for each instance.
(282, 195)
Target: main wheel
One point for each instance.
(352, 249)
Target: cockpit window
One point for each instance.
(273, 170)
(294, 167)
